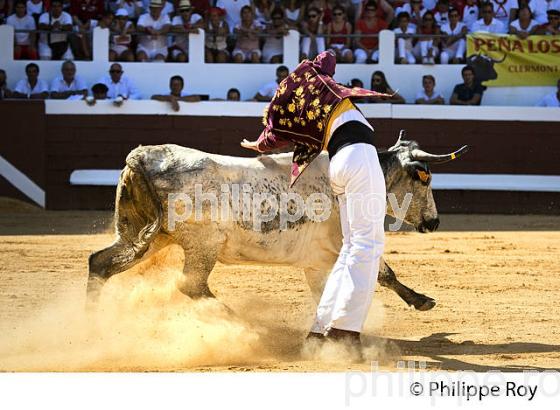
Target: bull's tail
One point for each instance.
(138, 211)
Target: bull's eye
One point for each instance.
(423, 175)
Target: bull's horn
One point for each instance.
(498, 61)
(419, 155)
(402, 134)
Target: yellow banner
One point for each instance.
(507, 60)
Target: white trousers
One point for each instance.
(357, 180)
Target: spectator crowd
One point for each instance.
(252, 31)
(118, 87)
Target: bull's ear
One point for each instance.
(419, 171)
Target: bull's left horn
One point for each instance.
(419, 155)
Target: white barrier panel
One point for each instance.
(22, 182)
(463, 182)
(255, 109)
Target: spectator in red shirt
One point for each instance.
(338, 41)
(367, 47)
(86, 10)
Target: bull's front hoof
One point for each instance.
(425, 305)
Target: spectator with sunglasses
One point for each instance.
(454, 45)
(338, 41)
(312, 42)
(120, 85)
(367, 48)
(427, 48)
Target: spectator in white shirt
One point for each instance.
(505, 11)
(120, 85)
(35, 8)
(488, 23)
(32, 87)
(415, 9)
(453, 46)
(442, 12)
(54, 45)
(266, 92)
(470, 13)
(540, 7)
(429, 95)
(153, 27)
(233, 10)
(68, 84)
(24, 47)
(524, 26)
(404, 44)
(552, 99)
(183, 24)
(176, 93)
(121, 39)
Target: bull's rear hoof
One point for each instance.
(428, 304)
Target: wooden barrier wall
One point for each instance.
(49, 147)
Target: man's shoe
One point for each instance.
(350, 339)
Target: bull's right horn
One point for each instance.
(402, 134)
(419, 155)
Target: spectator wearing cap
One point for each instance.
(216, 30)
(176, 93)
(232, 9)
(5, 92)
(120, 85)
(184, 23)
(454, 45)
(32, 87)
(488, 23)
(68, 83)
(429, 95)
(120, 48)
(404, 53)
(267, 91)
(505, 11)
(539, 9)
(247, 43)
(552, 99)
(273, 48)
(338, 40)
(367, 48)
(153, 26)
(470, 13)
(524, 26)
(24, 47)
(54, 45)
(469, 92)
(552, 27)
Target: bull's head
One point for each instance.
(409, 172)
(483, 66)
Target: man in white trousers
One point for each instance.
(313, 112)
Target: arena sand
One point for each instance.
(495, 278)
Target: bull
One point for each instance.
(155, 174)
(483, 66)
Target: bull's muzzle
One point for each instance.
(428, 225)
